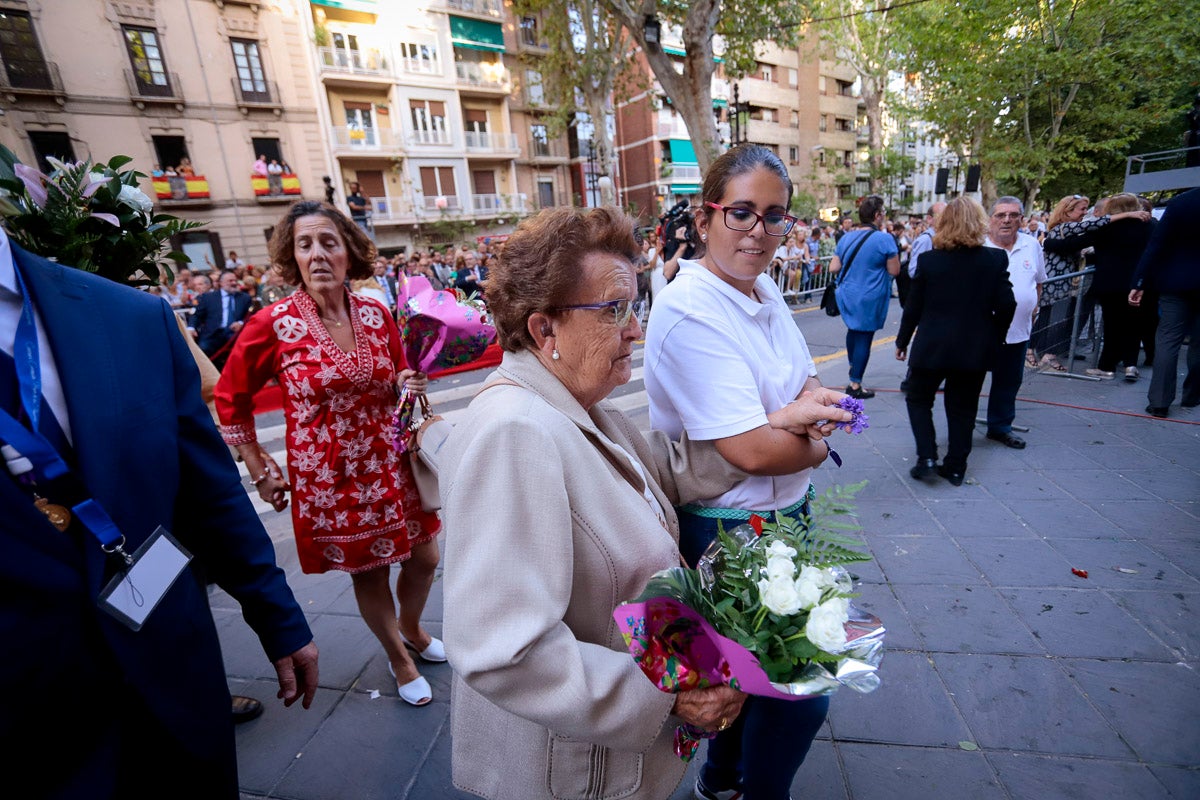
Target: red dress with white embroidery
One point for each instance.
(354, 504)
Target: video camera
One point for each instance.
(676, 229)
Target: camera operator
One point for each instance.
(677, 238)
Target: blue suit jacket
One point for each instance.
(207, 317)
(147, 450)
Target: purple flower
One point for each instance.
(35, 184)
(860, 422)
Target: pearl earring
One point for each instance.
(704, 237)
(555, 355)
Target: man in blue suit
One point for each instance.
(219, 314)
(93, 708)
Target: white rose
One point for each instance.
(780, 596)
(778, 549)
(826, 623)
(809, 587)
(780, 568)
(136, 198)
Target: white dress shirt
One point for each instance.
(10, 315)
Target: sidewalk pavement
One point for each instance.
(1006, 676)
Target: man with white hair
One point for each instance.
(924, 242)
(1027, 273)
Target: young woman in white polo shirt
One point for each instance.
(723, 356)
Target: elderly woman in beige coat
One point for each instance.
(560, 510)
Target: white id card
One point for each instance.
(137, 591)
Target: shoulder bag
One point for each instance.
(829, 296)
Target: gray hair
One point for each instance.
(1007, 199)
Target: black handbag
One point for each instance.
(829, 296)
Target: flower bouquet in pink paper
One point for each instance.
(441, 328)
(767, 611)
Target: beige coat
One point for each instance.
(546, 536)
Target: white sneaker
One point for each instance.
(1099, 373)
(702, 792)
(1132, 374)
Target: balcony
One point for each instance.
(283, 188)
(482, 8)
(420, 66)
(429, 205)
(391, 211)
(353, 140)
(144, 93)
(492, 144)
(673, 130)
(497, 204)
(354, 65)
(268, 99)
(45, 82)
(485, 75)
(683, 173)
(177, 190)
(422, 136)
(864, 134)
(547, 150)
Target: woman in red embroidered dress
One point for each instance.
(338, 359)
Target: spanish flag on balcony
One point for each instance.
(197, 188)
(262, 186)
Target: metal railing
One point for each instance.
(550, 149)
(681, 172)
(143, 91)
(799, 282)
(355, 138)
(489, 8)
(369, 63)
(448, 203)
(1168, 169)
(44, 82)
(425, 136)
(268, 97)
(481, 140)
(483, 75)
(420, 66)
(499, 203)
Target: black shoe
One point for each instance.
(246, 709)
(904, 387)
(860, 393)
(924, 468)
(1008, 440)
(1155, 411)
(1189, 403)
(955, 478)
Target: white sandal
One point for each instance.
(434, 652)
(416, 692)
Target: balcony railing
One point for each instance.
(275, 188)
(352, 137)
(681, 172)
(142, 92)
(268, 97)
(484, 75)
(390, 210)
(436, 204)
(420, 66)
(489, 8)
(673, 130)
(45, 82)
(499, 204)
(422, 136)
(490, 142)
(371, 63)
(550, 149)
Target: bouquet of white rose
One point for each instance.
(768, 611)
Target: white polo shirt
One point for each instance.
(717, 362)
(1026, 270)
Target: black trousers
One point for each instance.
(961, 400)
(1122, 331)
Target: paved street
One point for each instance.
(1007, 676)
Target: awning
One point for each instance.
(476, 34)
(720, 102)
(682, 152)
(672, 50)
(369, 6)
(685, 188)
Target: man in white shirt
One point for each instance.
(1027, 273)
(924, 242)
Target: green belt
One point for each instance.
(713, 512)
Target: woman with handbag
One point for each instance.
(339, 362)
(863, 267)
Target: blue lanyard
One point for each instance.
(47, 464)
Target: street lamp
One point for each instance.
(591, 176)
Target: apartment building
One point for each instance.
(435, 109)
(213, 84)
(803, 107)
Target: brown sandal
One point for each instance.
(1050, 360)
(1031, 359)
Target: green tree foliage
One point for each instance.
(1048, 88)
(742, 25)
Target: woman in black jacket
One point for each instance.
(960, 305)
(1118, 247)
